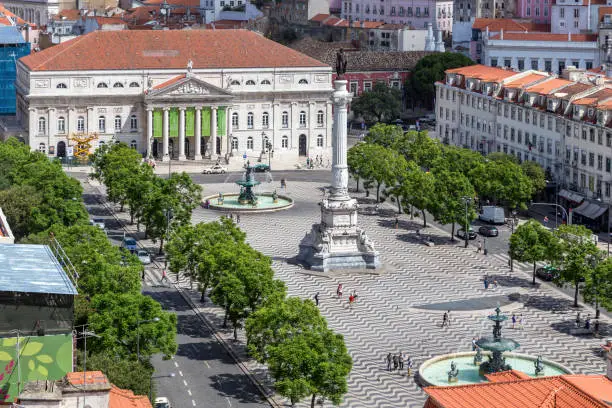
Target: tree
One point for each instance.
(384, 135)
(535, 173)
(419, 147)
(358, 167)
(18, 204)
(420, 87)
(577, 256)
(377, 164)
(380, 104)
(418, 189)
(597, 287)
(134, 375)
(458, 159)
(531, 242)
(448, 205)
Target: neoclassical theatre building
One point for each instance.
(188, 94)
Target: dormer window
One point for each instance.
(550, 105)
(102, 85)
(250, 82)
(118, 85)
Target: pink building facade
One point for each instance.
(538, 11)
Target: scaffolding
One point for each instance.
(82, 144)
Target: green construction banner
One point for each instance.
(173, 120)
(206, 122)
(190, 122)
(158, 123)
(221, 122)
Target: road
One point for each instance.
(205, 375)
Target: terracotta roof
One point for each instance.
(594, 98)
(185, 3)
(504, 376)
(91, 377)
(573, 89)
(542, 392)
(539, 36)
(319, 17)
(167, 49)
(226, 24)
(170, 82)
(119, 398)
(68, 14)
(506, 24)
(359, 61)
(597, 386)
(525, 80)
(483, 72)
(357, 24)
(6, 13)
(604, 11)
(548, 86)
(332, 21)
(108, 20)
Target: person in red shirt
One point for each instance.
(351, 300)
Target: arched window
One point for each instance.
(61, 125)
(320, 141)
(42, 125)
(42, 148)
(134, 85)
(285, 142)
(61, 85)
(234, 82)
(302, 119)
(303, 82)
(234, 143)
(250, 143)
(250, 82)
(133, 122)
(102, 124)
(265, 82)
(285, 119)
(102, 85)
(80, 124)
(235, 120)
(117, 123)
(134, 144)
(320, 118)
(250, 120)
(265, 120)
(118, 85)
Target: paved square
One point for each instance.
(385, 318)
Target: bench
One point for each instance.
(581, 330)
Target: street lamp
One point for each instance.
(171, 375)
(466, 200)
(155, 319)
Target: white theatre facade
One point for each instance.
(168, 102)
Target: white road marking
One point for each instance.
(185, 382)
(207, 365)
(176, 364)
(180, 373)
(193, 403)
(189, 392)
(228, 401)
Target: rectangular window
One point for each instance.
(608, 164)
(591, 159)
(576, 13)
(493, 62)
(548, 65)
(367, 86)
(285, 120)
(534, 64)
(521, 64)
(561, 12)
(599, 162)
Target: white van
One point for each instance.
(492, 214)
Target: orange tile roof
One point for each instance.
(109, 20)
(170, 82)
(167, 49)
(482, 72)
(506, 24)
(68, 14)
(594, 98)
(186, 3)
(505, 376)
(539, 36)
(542, 392)
(597, 386)
(319, 17)
(546, 87)
(604, 11)
(91, 377)
(526, 80)
(119, 398)
(573, 89)
(5, 13)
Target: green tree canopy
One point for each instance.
(418, 189)
(535, 173)
(532, 243)
(382, 103)
(384, 135)
(598, 285)
(127, 374)
(420, 148)
(448, 205)
(375, 163)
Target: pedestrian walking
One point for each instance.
(474, 345)
(395, 362)
(578, 319)
(316, 298)
(445, 319)
(164, 276)
(339, 290)
(351, 301)
(521, 322)
(396, 223)
(389, 361)
(401, 361)
(479, 247)
(409, 365)
(143, 274)
(486, 282)
(513, 320)
(237, 218)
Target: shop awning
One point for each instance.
(571, 196)
(591, 209)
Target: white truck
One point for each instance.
(492, 214)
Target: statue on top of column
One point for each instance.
(189, 66)
(340, 63)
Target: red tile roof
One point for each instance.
(594, 98)
(187, 3)
(483, 72)
(109, 20)
(506, 24)
(68, 14)
(604, 11)
(319, 17)
(168, 49)
(6, 13)
(504, 376)
(90, 377)
(525, 80)
(549, 86)
(119, 398)
(169, 82)
(539, 36)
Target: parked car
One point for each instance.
(129, 244)
(547, 273)
(143, 257)
(261, 168)
(215, 169)
(492, 214)
(162, 402)
(488, 231)
(98, 222)
(471, 233)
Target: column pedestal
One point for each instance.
(337, 243)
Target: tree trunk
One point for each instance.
(225, 318)
(357, 180)
(576, 285)
(235, 332)
(424, 219)
(121, 207)
(313, 400)
(131, 216)
(399, 205)
(534, 274)
(161, 246)
(411, 212)
(378, 192)
(453, 232)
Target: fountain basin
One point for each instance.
(434, 371)
(265, 203)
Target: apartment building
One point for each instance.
(562, 123)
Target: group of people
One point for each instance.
(352, 297)
(488, 281)
(520, 320)
(399, 361)
(317, 161)
(235, 218)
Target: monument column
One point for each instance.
(181, 140)
(149, 132)
(165, 155)
(341, 97)
(213, 132)
(198, 134)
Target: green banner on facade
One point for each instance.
(206, 122)
(221, 122)
(158, 123)
(190, 122)
(173, 120)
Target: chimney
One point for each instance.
(501, 34)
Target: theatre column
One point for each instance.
(149, 132)
(181, 140)
(213, 132)
(198, 133)
(165, 156)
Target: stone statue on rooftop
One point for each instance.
(189, 66)
(341, 63)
